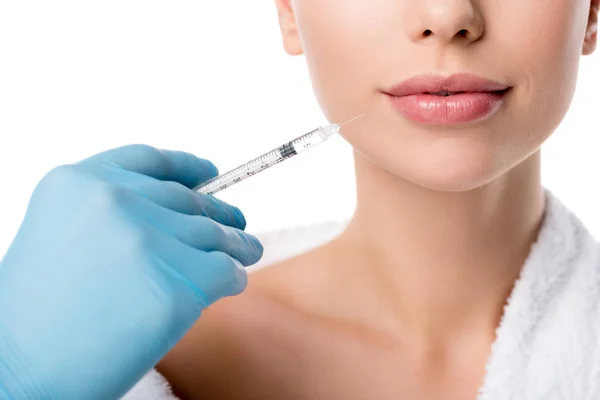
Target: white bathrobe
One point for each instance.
(548, 341)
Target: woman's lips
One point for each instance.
(453, 100)
(456, 109)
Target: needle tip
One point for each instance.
(353, 119)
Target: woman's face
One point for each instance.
(358, 51)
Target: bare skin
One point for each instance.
(404, 304)
(331, 324)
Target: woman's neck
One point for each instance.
(442, 259)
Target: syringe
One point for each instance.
(282, 153)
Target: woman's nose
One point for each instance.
(444, 21)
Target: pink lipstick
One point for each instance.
(438, 100)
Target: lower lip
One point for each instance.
(450, 110)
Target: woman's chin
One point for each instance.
(450, 185)
(451, 171)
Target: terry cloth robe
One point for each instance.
(547, 344)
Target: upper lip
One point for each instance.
(454, 83)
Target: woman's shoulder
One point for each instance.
(240, 341)
(215, 357)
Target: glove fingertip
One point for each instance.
(238, 264)
(210, 168)
(259, 246)
(240, 218)
(241, 278)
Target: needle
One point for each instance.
(353, 119)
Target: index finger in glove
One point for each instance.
(164, 165)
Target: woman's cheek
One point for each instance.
(340, 58)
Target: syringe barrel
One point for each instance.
(245, 171)
(267, 160)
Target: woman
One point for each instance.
(458, 276)
(452, 222)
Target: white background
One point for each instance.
(211, 78)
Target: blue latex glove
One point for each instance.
(115, 260)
